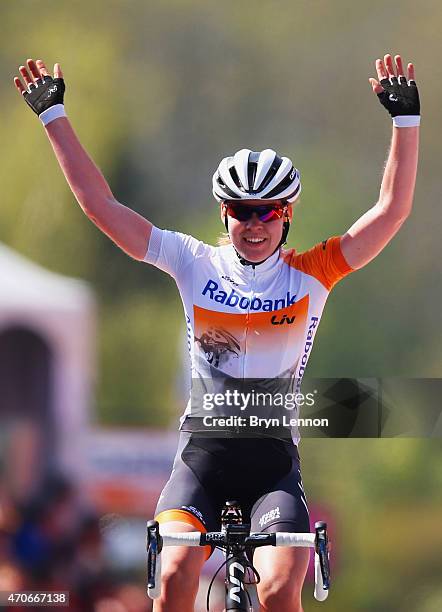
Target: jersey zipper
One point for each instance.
(252, 291)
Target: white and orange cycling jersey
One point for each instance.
(248, 322)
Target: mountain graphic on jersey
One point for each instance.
(218, 345)
(225, 337)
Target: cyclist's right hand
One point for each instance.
(44, 94)
(41, 91)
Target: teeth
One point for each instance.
(255, 239)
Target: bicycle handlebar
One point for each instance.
(317, 540)
(189, 538)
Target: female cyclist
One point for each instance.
(252, 310)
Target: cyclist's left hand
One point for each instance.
(396, 93)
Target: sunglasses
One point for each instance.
(265, 212)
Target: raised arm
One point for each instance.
(373, 231)
(129, 230)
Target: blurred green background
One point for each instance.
(159, 92)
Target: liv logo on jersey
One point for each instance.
(285, 319)
(233, 299)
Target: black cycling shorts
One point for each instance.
(262, 474)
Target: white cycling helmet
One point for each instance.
(256, 175)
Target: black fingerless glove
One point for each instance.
(45, 97)
(401, 99)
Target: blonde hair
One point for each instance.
(223, 239)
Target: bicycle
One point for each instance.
(237, 542)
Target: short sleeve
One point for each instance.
(325, 261)
(171, 251)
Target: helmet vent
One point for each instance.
(271, 173)
(235, 178)
(282, 186)
(251, 170)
